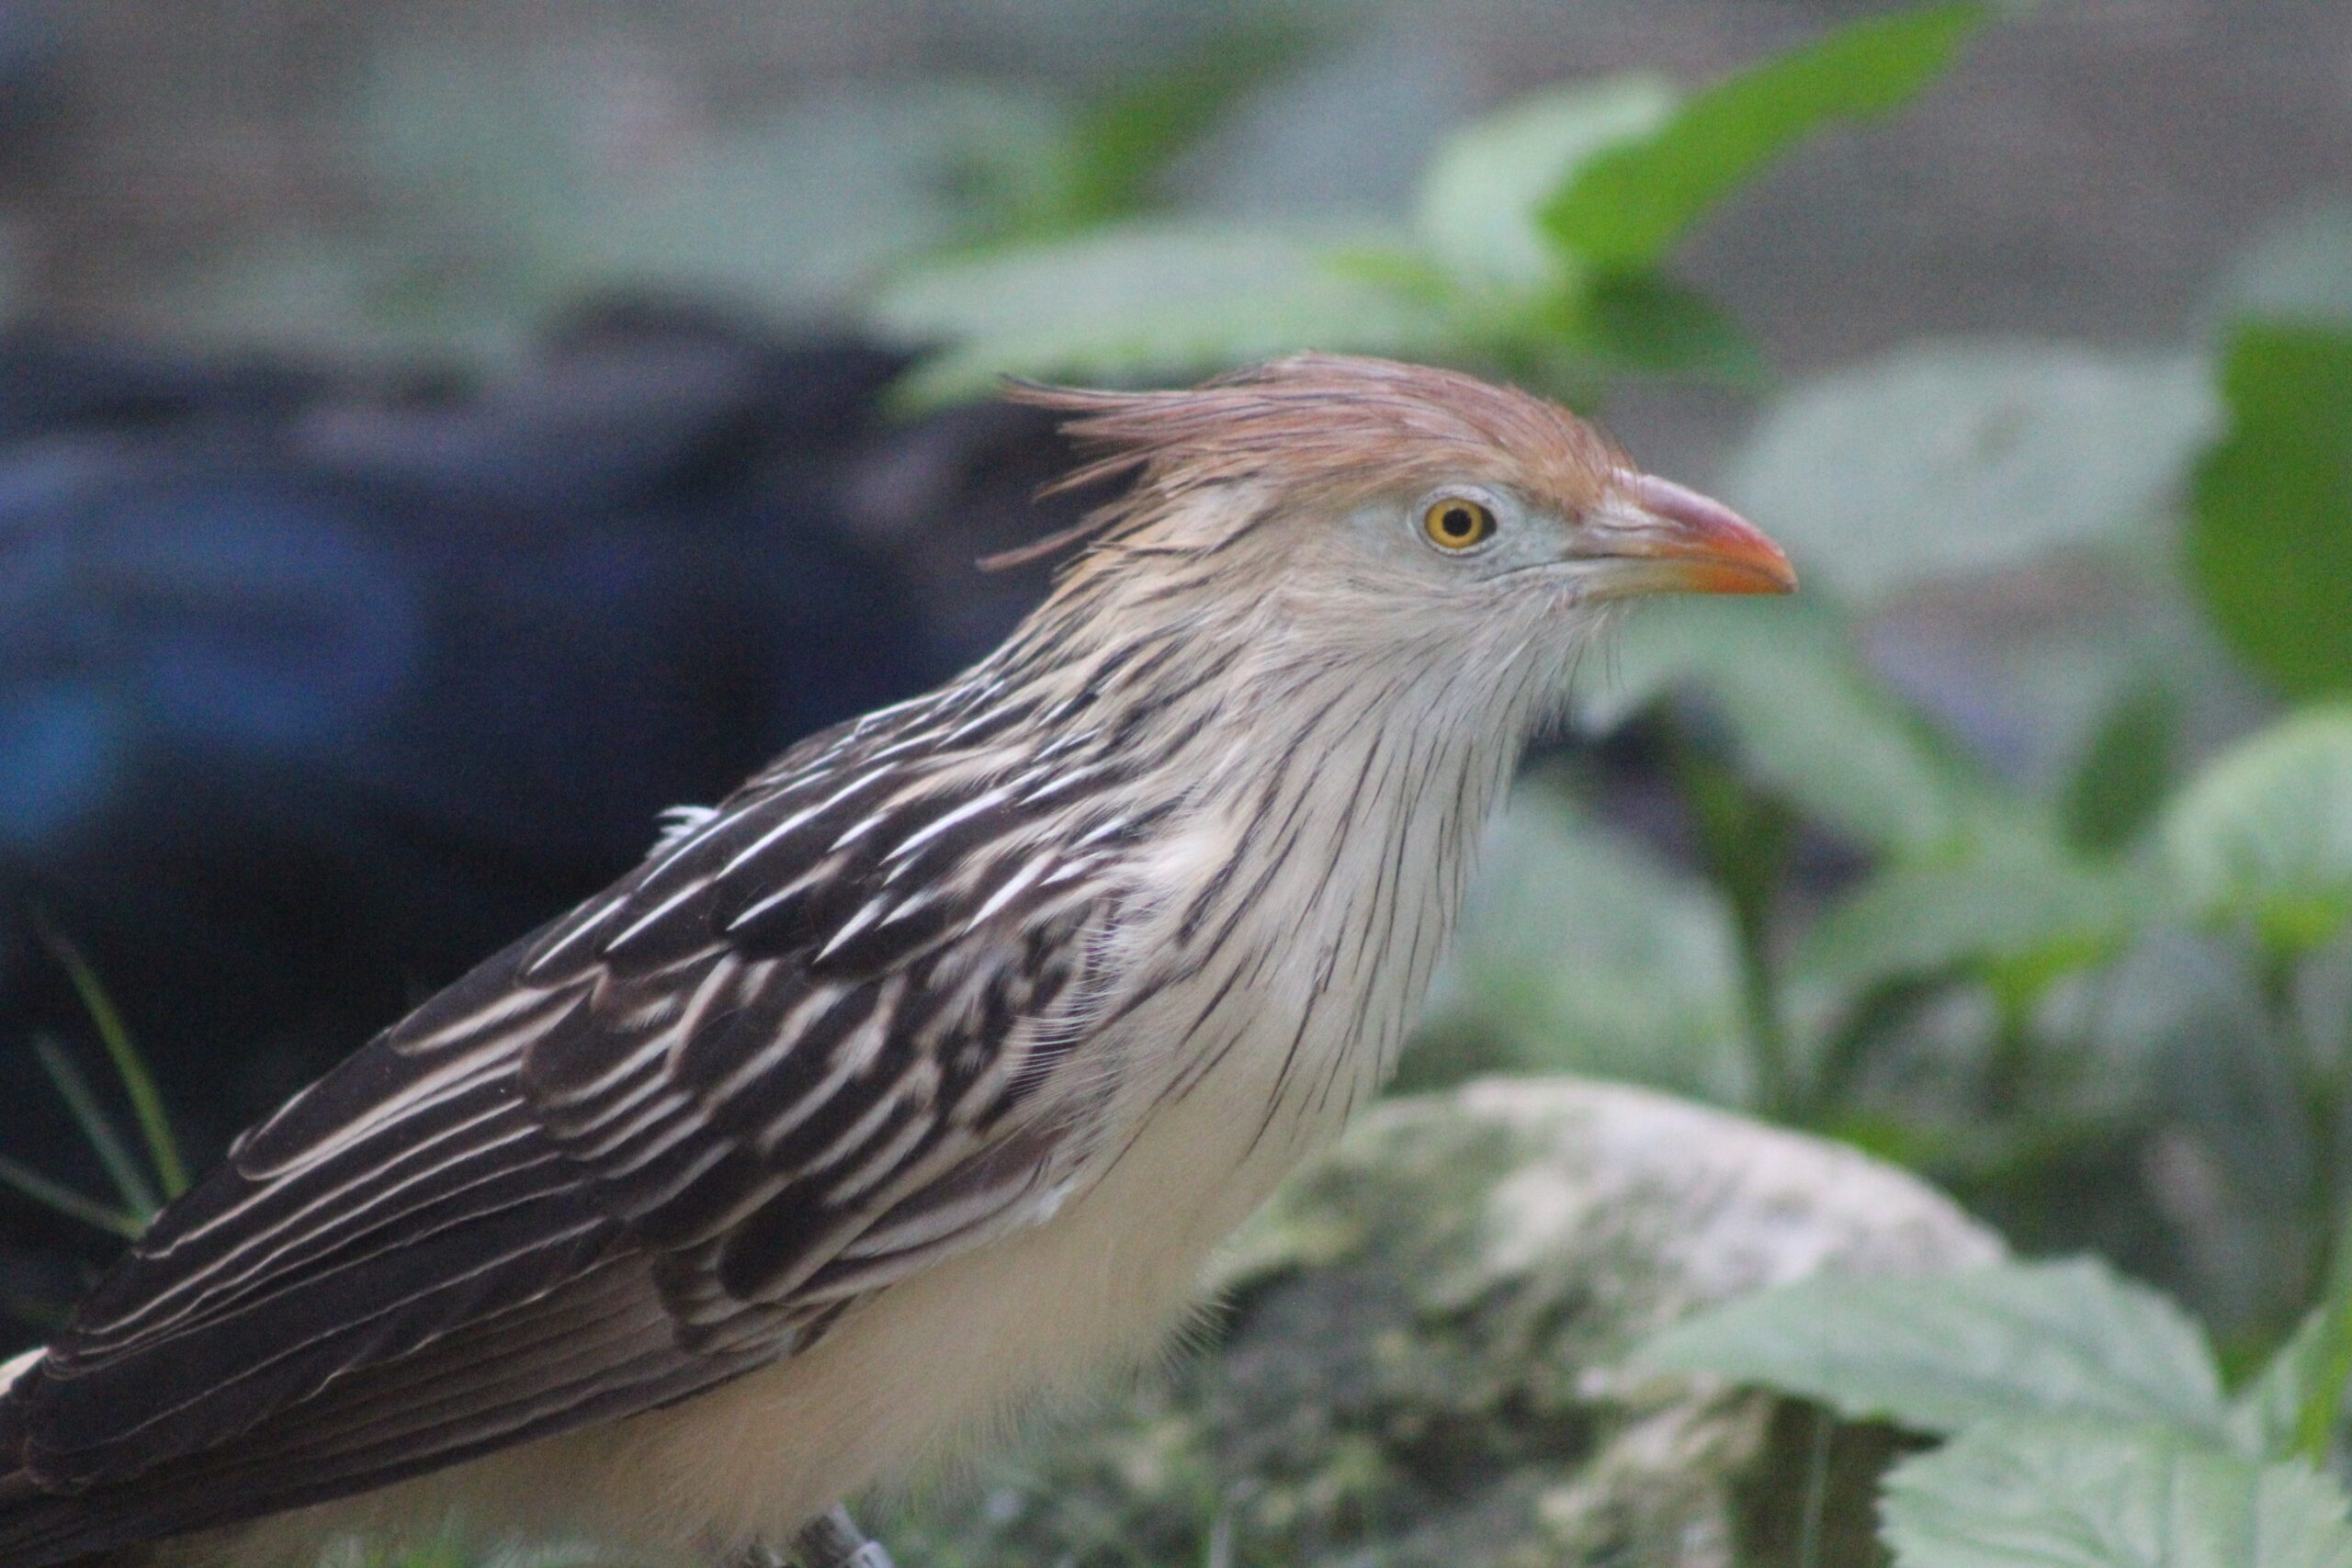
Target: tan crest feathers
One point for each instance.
(1320, 424)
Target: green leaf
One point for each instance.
(1625, 208)
(1649, 323)
(131, 1184)
(2073, 1494)
(1650, 993)
(2265, 1418)
(1480, 195)
(2293, 1406)
(1941, 459)
(2019, 914)
(129, 1066)
(1806, 717)
(1146, 301)
(57, 1196)
(2120, 783)
(1123, 139)
(1938, 1353)
(2270, 536)
(2264, 832)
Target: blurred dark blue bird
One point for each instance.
(314, 689)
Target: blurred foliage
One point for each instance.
(1624, 208)
(1953, 458)
(2067, 1338)
(2263, 835)
(1525, 252)
(2270, 536)
(1117, 143)
(2064, 917)
(2086, 1415)
(143, 1180)
(503, 190)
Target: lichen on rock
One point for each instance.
(1421, 1358)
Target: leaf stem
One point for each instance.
(1745, 839)
(2011, 1060)
(56, 1195)
(2315, 1417)
(130, 1183)
(146, 1100)
(1876, 1015)
(1816, 1491)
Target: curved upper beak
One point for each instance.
(1679, 541)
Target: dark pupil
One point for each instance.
(1458, 523)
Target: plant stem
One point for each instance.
(65, 1201)
(1816, 1491)
(1759, 990)
(129, 1182)
(1745, 839)
(2011, 1061)
(2315, 1419)
(1878, 1014)
(146, 1100)
(2320, 1097)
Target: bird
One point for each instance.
(914, 1081)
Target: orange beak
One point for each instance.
(1687, 543)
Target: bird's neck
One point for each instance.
(1318, 825)
(1315, 794)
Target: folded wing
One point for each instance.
(803, 1051)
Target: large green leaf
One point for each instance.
(1937, 1353)
(2074, 1494)
(1806, 717)
(1957, 457)
(1626, 206)
(1147, 300)
(2264, 832)
(1480, 194)
(1584, 950)
(2271, 543)
(2019, 912)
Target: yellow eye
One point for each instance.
(1457, 523)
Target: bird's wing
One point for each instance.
(795, 1055)
(802, 1055)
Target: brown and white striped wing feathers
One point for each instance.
(801, 1052)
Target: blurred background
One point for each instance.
(435, 437)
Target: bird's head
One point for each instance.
(1332, 505)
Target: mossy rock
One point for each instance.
(1419, 1358)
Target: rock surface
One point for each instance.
(1419, 1358)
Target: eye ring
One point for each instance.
(1457, 524)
